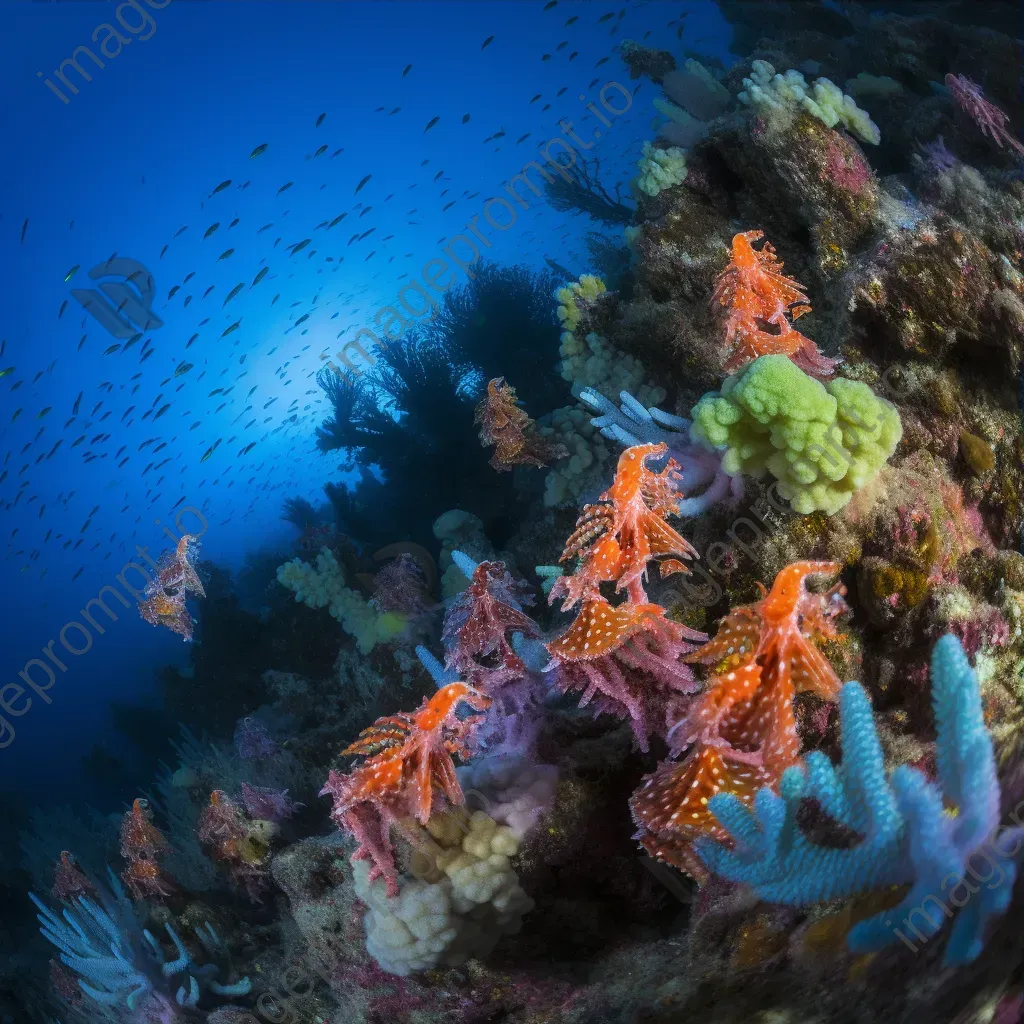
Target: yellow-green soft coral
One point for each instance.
(766, 91)
(586, 289)
(660, 169)
(323, 586)
(821, 442)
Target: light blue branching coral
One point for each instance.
(119, 963)
(323, 586)
(660, 169)
(908, 835)
(765, 91)
(631, 423)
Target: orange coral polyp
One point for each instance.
(762, 302)
(742, 729)
(616, 538)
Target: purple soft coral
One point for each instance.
(253, 741)
(268, 804)
(632, 424)
(987, 116)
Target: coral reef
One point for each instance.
(584, 809)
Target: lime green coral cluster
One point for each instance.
(587, 288)
(822, 442)
(323, 586)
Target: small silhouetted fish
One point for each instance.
(112, 350)
(163, 250)
(465, 118)
(499, 135)
(179, 231)
(220, 188)
(262, 148)
(547, 56)
(259, 277)
(487, 42)
(603, 60)
(208, 290)
(170, 294)
(573, 55)
(182, 368)
(231, 329)
(63, 306)
(299, 246)
(231, 294)
(320, 120)
(24, 228)
(408, 68)
(522, 138)
(225, 254)
(78, 402)
(535, 98)
(448, 206)
(210, 230)
(431, 123)
(337, 220)
(362, 183)
(320, 151)
(285, 187)
(71, 273)
(571, 20)
(190, 340)
(605, 17)
(233, 223)
(264, 228)
(337, 151)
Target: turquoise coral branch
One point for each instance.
(907, 834)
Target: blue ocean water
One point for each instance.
(127, 163)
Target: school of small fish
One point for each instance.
(262, 468)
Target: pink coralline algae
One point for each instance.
(165, 594)
(987, 116)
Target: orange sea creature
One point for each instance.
(762, 302)
(514, 435)
(742, 730)
(617, 536)
(627, 660)
(141, 844)
(408, 771)
(165, 594)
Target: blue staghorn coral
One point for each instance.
(908, 834)
(121, 964)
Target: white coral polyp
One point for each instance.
(476, 901)
(766, 92)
